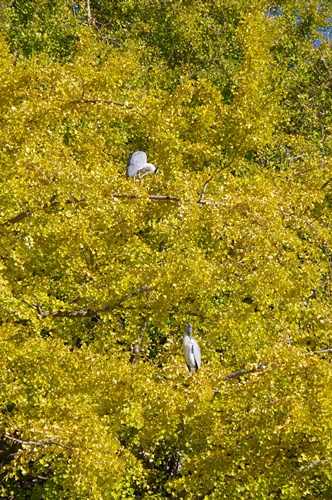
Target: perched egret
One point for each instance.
(137, 165)
(191, 350)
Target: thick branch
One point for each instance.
(16, 322)
(17, 218)
(101, 101)
(52, 204)
(90, 313)
(152, 197)
(36, 443)
(88, 12)
(208, 202)
(260, 366)
(239, 374)
(155, 197)
(322, 351)
(135, 356)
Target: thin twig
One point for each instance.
(143, 327)
(205, 188)
(302, 171)
(294, 216)
(36, 443)
(73, 7)
(233, 157)
(326, 183)
(326, 66)
(33, 306)
(254, 220)
(135, 355)
(290, 159)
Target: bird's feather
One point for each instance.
(138, 159)
(137, 165)
(191, 350)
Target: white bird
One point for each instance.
(137, 165)
(191, 350)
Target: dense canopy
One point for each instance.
(232, 102)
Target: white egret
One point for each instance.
(191, 350)
(137, 165)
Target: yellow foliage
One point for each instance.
(232, 235)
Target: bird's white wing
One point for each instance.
(192, 353)
(136, 162)
(196, 353)
(138, 159)
(188, 354)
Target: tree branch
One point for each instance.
(16, 322)
(326, 183)
(143, 327)
(36, 443)
(89, 313)
(101, 101)
(326, 66)
(254, 220)
(17, 218)
(155, 197)
(73, 7)
(88, 12)
(152, 197)
(52, 204)
(260, 366)
(204, 189)
(240, 373)
(135, 355)
(233, 157)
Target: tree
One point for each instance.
(233, 236)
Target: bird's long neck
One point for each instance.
(149, 167)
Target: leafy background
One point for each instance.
(232, 101)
